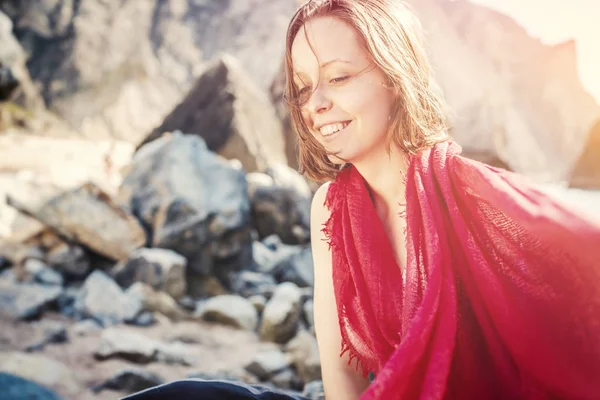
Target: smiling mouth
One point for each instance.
(332, 129)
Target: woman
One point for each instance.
(444, 277)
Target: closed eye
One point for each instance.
(339, 80)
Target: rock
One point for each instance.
(514, 97)
(41, 273)
(162, 269)
(281, 211)
(17, 388)
(249, 283)
(297, 268)
(304, 351)
(270, 253)
(88, 216)
(85, 327)
(276, 92)
(230, 310)
(126, 345)
(15, 82)
(92, 301)
(127, 94)
(70, 259)
(28, 300)
(267, 363)
(285, 379)
(146, 318)
(192, 202)
(281, 315)
(586, 172)
(233, 116)
(130, 380)
(156, 301)
(4, 263)
(309, 313)
(131, 346)
(258, 302)
(40, 369)
(286, 177)
(314, 390)
(68, 298)
(52, 332)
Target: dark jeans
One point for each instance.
(198, 389)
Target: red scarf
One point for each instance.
(502, 292)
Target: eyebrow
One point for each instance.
(334, 60)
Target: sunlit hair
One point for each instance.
(392, 36)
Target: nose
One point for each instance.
(319, 102)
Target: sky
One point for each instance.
(554, 21)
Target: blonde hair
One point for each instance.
(392, 35)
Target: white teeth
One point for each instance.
(333, 128)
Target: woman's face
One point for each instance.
(345, 102)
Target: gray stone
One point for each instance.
(103, 300)
(230, 310)
(259, 302)
(314, 390)
(304, 352)
(26, 300)
(191, 201)
(249, 283)
(15, 82)
(52, 332)
(267, 363)
(130, 380)
(285, 379)
(297, 268)
(137, 348)
(42, 273)
(281, 316)
(156, 301)
(270, 253)
(162, 269)
(127, 345)
(287, 177)
(85, 327)
(309, 312)
(283, 212)
(70, 259)
(88, 216)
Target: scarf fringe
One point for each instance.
(352, 356)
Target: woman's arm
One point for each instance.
(340, 381)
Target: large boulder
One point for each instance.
(191, 201)
(586, 173)
(232, 115)
(87, 215)
(104, 85)
(512, 97)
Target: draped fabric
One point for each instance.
(501, 293)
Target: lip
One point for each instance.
(331, 137)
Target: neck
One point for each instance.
(383, 172)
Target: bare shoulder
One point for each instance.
(319, 212)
